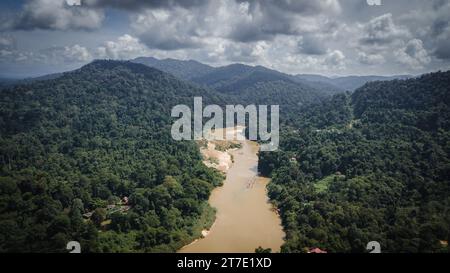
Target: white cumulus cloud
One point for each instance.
(125, 47)
(413, 54)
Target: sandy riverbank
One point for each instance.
(245, 218)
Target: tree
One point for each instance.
(98, 216)
(263, 250)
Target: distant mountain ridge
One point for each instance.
(6, 82)
(244, 84)
(236, 77)
(184, 70)
(231, 76)
(350, 83)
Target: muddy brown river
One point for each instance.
(245, 219)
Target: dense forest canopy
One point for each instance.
(369, 166)
(90, 150)
(185, 70)
(245, 84)
(87, 155)
(95, 143)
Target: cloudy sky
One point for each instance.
(330, 37)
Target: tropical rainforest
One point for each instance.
(87, 155)
(373, 165)
(95, 143)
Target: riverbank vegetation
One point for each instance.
(369, 166)
(89, 157)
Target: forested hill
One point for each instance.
(185, 70)
(75, 148)
(423, 102)
(368, 166)
(349, 83)
(262, 86)
(237, 77)
(248, 84)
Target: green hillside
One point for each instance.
(371, 166)
(82, 142)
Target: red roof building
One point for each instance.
(316, 250)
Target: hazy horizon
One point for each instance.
(331, 38)
(331, 76)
